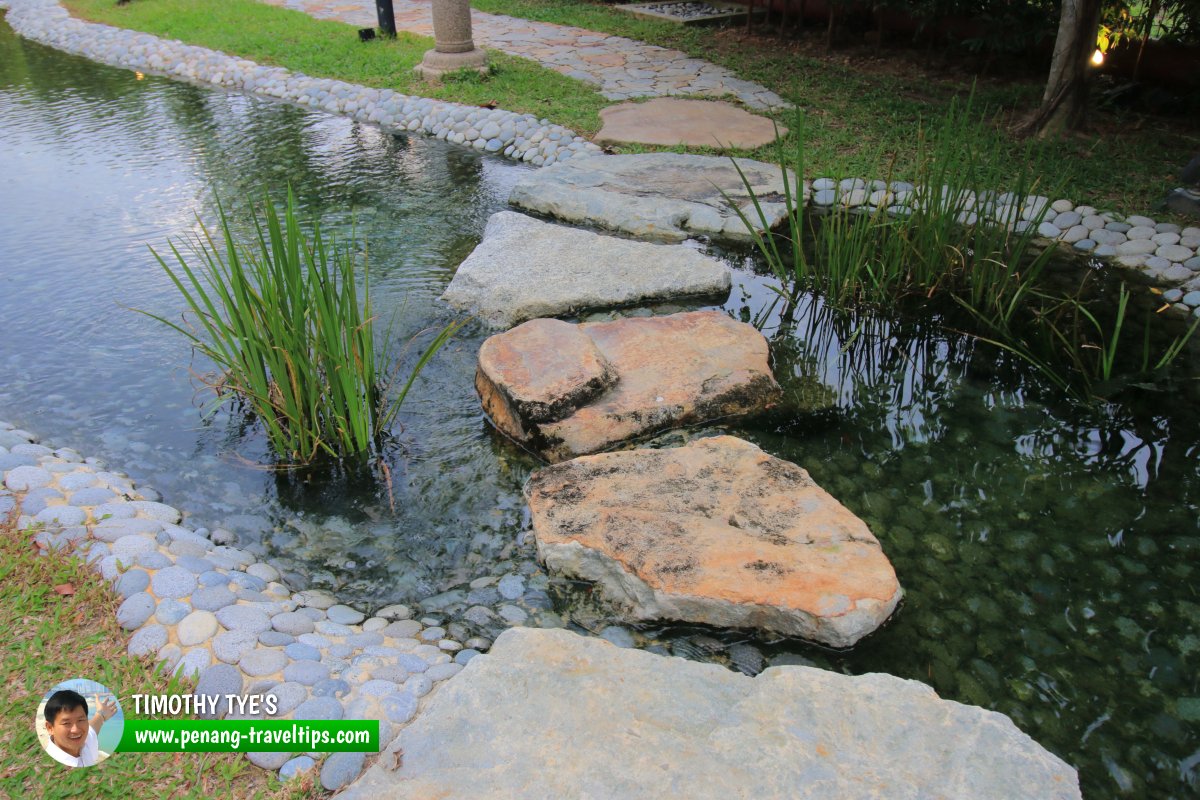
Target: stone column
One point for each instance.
(453, 47)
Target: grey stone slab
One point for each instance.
(148, 640)
(702, 732)
(526, 268)
(658, 196)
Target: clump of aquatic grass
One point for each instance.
(922, 238)
(942, 239)
(1081, 350)
(282, 320)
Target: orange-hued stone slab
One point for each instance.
(670, 371)
(716, 532)
(545, 369)
(671, 121)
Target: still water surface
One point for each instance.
(1049, 553)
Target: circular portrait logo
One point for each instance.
(79, 722)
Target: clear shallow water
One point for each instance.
(1049, 554)
(95, 165)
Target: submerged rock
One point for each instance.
(716, 532)
(666, 196)
(525, 268)
(601, 721)
(565, 390)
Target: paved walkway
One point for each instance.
(622, 68)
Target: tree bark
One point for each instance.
(1150, 15)
(1064, 103)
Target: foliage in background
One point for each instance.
(854, 113)
(282, 322)
(1125, 22)
(996, 27)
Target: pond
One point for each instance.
(1049, 553)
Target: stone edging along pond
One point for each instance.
(1165, 253)
(212, 612)
(522, 137)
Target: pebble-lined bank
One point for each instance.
(1167, 254)
(521, 137)
(214, 613)
(620, 68)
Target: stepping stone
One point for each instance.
(716, 532)
(663, 196)
(525, 268)
(565, 390)
(683, 729)
(670, 121)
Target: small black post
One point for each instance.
(387, 17)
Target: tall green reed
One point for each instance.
(919, 238)
(293, 343)
(949, 235)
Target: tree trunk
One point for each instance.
(1064, 104)
(1150, 15)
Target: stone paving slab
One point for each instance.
(525, 268)
(551, 714)
(662, 196)
(621, 68)
(715, 532)
(670, 121)
(671, 371)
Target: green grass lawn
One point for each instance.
(58, 621)
(859, 120)
(327, 49)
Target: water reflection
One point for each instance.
(105, 165)
(1049, 553)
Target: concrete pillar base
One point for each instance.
(436, 64)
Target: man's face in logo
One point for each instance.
(69, 730)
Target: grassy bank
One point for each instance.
(327, 49)
(57, 621)
(862, 103)
(862, 110)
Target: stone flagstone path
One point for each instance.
(716, 532)
(550, 714)
(215, 612)
(622, 68)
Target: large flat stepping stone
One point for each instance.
(564, 390)
(671, 121)
(549, 714)
(525, 268)
(716, 532)
(665, 196)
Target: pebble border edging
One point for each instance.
(521, 137)
(620, 68)
(1165, 253)
(214, 613)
